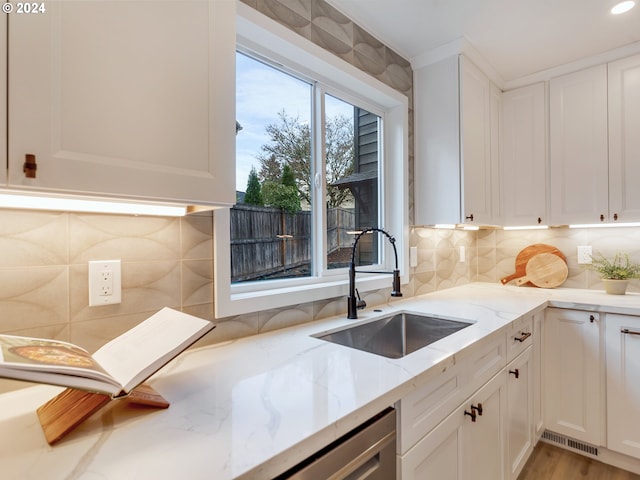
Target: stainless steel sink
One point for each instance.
(395, 336)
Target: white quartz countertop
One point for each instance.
(252, 408)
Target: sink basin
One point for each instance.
(395, 336)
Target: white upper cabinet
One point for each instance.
(524, 158)
(578, 147)
(3, 102)
(624, 139)
(125, 98)
(454, 172)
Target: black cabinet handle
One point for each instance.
(472, 414)
(477, 408)
(470, 217)
(515, 372)
(523, 336)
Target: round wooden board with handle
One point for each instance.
(545, 270)
(527, 254)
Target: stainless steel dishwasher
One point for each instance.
(368, 452)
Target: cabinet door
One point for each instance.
(574, 374)
(623, 388)
(519, 412)
(437, 455)
(125, 98)
(459, 448)
(437, 193)
(483, 441)
(624, 141)
(537, 371)
(3, 103)
(524, 156)
(475, 143)
(578, 147)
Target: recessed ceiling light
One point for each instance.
(623, 7)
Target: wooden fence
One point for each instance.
(267, 242)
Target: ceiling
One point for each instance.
(516, 37)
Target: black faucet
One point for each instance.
(353, 303)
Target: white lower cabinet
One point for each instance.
(474, 420)
(520, 431)
(574, 374)
(467, 444)
(623, 385)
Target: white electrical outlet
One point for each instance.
(463, 256)
(105, 282)
(584, 254)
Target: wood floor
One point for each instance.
(548, 462)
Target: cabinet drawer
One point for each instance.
(482, 361)
(519, 337)
(420, 411)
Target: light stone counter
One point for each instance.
(252, 408)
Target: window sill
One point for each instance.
(241, 303)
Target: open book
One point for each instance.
(116, 368)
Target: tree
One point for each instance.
(253, 195)
(290, 145)
(282, 193)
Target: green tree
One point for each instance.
(290, 145)
(253, 195)
(278, 195)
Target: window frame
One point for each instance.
(338, 78)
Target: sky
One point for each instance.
(261, 93)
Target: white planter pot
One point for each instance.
(615, 287)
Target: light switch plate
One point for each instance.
(105, 282)
(413, 256)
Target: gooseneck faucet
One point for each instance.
(354, 303)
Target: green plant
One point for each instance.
(619, 268)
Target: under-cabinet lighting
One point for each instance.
(604, 225)
(527, 227)
(445, 226)
(623, 7)
(470, 227)
(36, 202)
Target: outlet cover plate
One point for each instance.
(105, 282)
(584, 255)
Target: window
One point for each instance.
(320, 155)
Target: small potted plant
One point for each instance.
(615, 272)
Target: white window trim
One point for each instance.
(254, 31)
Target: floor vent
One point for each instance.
(569, 442)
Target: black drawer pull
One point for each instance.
(629, 332)
(523, 336)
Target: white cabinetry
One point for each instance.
(125, 99)
(574, 374)
(623, 387)
(538, 384)
(578, 147)
(455, 167)
(624, 141)
(467, 444)
(490, 432)
(3, 103)
(523, 165)
(520, 438)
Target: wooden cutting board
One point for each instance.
(545, 270)
(527, 254)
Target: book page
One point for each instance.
(135, 355)
(49, 361)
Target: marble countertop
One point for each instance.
(251, 408)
